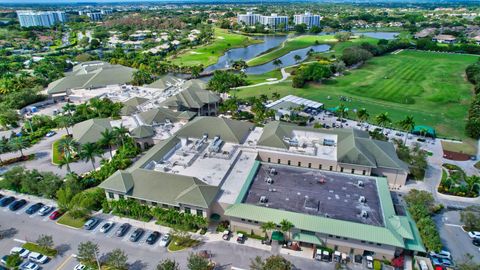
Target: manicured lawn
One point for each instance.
(259, 78)
(429, 86)
(174, 246)
(56, 155)
(290, 45)
(208, 54)
(50, 252)
(468, 147)
(68, 220)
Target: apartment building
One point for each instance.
(30, 18)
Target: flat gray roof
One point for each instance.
(300, 190)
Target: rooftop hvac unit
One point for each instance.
(273, 171)
(328, 142)
(263, 199)
(272, 190)
(360, 184)
(364, 214)
(362, 199)
(269, 180)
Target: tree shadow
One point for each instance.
(8, 233)
(61, 249)
(137, 265)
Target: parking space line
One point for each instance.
(66, 261)
(20, 241)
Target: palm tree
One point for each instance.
(342, 112)
(69, 107)
(121, 134)
(18, 144)
(472, 181)
(363, 115)
(68, 147)
(64, 122)
(407, 124)
(286, 226)
(89, 152)
(108, 139)
(275, 95)
(277, 62)
(268, 226)
(297, 58)
(383, 120)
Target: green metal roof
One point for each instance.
(194, 96)
(142, 132)
(90, 131)
(160, 187)
(92, 75)
(277, 236)
(128, 110)
(229, 130)
(156, 153)
(307, 238)
(135, 101)
(159, 115)
(164, 82)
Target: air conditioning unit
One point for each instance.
(364, 214)
(360, 184)
(269, 180)
(263, 199)
(362, 199)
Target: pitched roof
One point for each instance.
(128, 110)
(353, 146)
(142, 132)
(91, 75)
(120, 181)
(159, 115)
(135, 101)
(160, 187)
(157, 152)
(164, 82)
(193, 96)
(229, 130)
(89, 131)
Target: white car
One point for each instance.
(79, 267)
(23, 253)
(474, 234)
(37, 257)
(29, 266)
(50, 133)
(165, 240)
(442, 254)
(45, 210)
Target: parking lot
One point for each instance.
(140, 254)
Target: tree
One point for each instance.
(343, 36)
(407, 124)
(69, 148)
(342, 112)
(89, 152)
(354, 55)
(297, 58)
(383, 120)
(277, 62)
(88, 253)
(13, 261)
(222, 81)
(168, 264)
(8, 117)
(286, 226)
(4, 148)
(363, 115)
(268, 226)
(64, 121)
(121, 134)
(196, 262)
(64, 197)
(108, 140)
(141, 77)
(301, 28)
(18, 143)
(117, 259)
(45, 241)
(239, 64)
(274, 262)
(69, 108)
(275, 96)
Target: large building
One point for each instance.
(272, 21)
(95, 16)
(30, 18)
(308, 19)
(333, 185)
(249, 18)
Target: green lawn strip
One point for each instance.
(338, 48)
(68, 220)
(56, 155)
(468, 147)
(175, 246)
(208, 54)
(259, 78)
(50, 252)
(291, 45)
(429, 86)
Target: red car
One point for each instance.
(55, 215)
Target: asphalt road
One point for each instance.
(454, 238)
(141, 255)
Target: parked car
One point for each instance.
(6, 201)
(55, 215)
(122, 230)
(136, 234)
(474, 234)
(17, 205)
(441, 262)
(152, 237)
(165, 240)
(369, 260)
(90, 224)
(4, 259)
(37, 257)
(29, 266)
(444, 254)
(79, 267)
(226, 235)
(240, 238)
(107, 226)
(476, 241)
(45, 210)
(34, 208)
(22, 252)
(318, 254)
(51, 133)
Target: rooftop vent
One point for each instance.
(272, 190)
(360, 184)
(269, 180)
(364, 214)
(263, 199)
(362, 199)
(272, 171)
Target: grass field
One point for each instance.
(68, 220)
(33, 247)
(209, 54)
(290, 45)
(429, 86)
(468, 147)
(56, 155)
(259, 78)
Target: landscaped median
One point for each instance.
(455, 182)
(56, 155)
(70, 221)
(182, 240)
(50, 252)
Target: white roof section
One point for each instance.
(297, 100)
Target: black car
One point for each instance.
(122, 230)
(17, 205)
(34, 208)
(152, 238)
(136, 235)
(6, 201)
(476, 241)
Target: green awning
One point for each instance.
(215, 217)
(277, 236)
(307, 238)
(424, 131)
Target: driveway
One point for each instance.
(140, 255)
